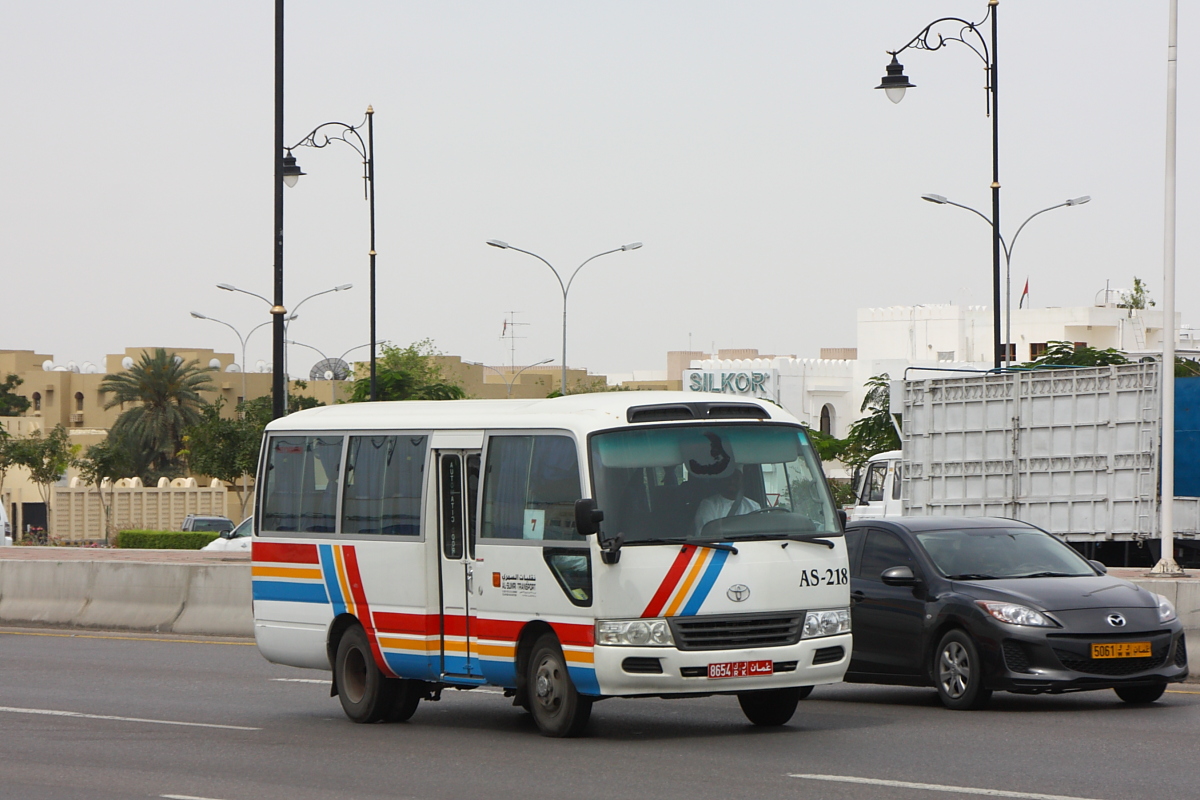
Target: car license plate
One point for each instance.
(741, 669)
(1122, 650)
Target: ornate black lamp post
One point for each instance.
(321, 136)
(894, 84)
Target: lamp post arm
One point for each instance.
(984, 217)
(1026, 222)
(922, 40)
(584, 264)
(557, 277)
(243, 291)
(310, 347)
(296, 309)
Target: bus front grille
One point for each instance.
(733, 632)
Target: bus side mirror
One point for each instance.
(587, 517)
(842, 518)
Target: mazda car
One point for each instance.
(976, 605)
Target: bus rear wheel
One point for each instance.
(771, 707)
(558, 709)
(366, 695)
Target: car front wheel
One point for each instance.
(958, 673)
(1140, 694)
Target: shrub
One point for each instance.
(165, 540)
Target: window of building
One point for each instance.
(530, 487)
(1079, 345)
(37, 401)
(945, 355)
(827, 419)
(384, 475)
(1011, 354)
(302, 483)
(1036, 350)
(79, 401)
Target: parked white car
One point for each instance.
(237, 539)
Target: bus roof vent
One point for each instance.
(685, 411)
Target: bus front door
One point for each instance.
(458, 486)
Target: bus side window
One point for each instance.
(530, 487)
(382, 492)
(302, 483)
(896, 482)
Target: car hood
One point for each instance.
(1061, 594)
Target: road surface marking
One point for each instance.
(937, 787)
(121, 638)
(48, 712)
(185, 797)
(1180, 691)
(301, 680)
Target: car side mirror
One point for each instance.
(226, 534)
(898, 576)
(1103, 570)
(842, 518)
(587, 517)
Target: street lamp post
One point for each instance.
(1008, 246)
(566, 287)
(332, 390)
(321, 136)
(241, 339)
(509, 383)
(895, 83)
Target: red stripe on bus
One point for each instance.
(504, 630)
(282, 552)
(414, 624)
(670, 582)
(579, 635)
(354, 578)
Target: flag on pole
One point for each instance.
(1024, 294)
(504, 330)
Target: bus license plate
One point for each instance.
(1122, 650)
(741, 669)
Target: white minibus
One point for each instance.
(616, 544)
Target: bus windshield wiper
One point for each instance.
(813, 538)
(681, 541)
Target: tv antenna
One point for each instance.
(509, 331)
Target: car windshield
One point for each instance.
(710, 482)
(244, 528)
(212, 524)
(1001, 553)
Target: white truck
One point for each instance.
(1074, 451)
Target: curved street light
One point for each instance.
(895, 83)
(243, 340)
(322, 136)
(1008, 247)
(565, 287)
(509, 383)
(332, 388)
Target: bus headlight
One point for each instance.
(826, 623)
(634, 632)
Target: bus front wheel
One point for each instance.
(558, 709)
(366, 695)
(771, 707)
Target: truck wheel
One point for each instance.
(771, 707)
(366, 695)
(958, 673)
(1140, 694)
(558, 709)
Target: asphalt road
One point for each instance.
(99, 716)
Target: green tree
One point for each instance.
(47, 459)
(10, 456)
(1066, 354)
(875, 432)
(11, 403)
(1138, 298)
(408, 373)
(227, 449)
(165, 394)
(1184, 368)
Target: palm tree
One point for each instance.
(164, 393)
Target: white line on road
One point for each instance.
(301, 680)
(48, 712)
(185, 797)
(937, 787)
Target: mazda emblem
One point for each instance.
(738, 592)
(1116, 620)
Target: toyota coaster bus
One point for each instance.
(567, 550)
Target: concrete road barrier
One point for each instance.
(208, 599)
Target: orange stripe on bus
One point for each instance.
(695, 571)
(313, 573)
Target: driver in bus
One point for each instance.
(729, 500)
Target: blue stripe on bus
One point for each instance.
(706, 583)
(584, 679)
(329, 570)
(409, 665)
(290, 592)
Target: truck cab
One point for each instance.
(878, 491)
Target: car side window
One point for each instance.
(884, 550)
(896, 482)
(854, 538)
(873, 484)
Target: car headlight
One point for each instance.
(634, 632)
(1166, 609)
(826, 623)
(1015, 614)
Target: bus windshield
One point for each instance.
(710, 482)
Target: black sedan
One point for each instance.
(976, 605)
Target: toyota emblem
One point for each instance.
(1116, 620)
(738, 592)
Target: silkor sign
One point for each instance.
(754, 383)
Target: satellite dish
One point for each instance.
(89, 368)
(232, 367)
(214, 363)
(72, 366)
(178, 360)
(127, 362)
(340, 370)
(260, 365)
(48, 365)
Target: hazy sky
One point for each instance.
(775, 190)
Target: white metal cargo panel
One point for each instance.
(1074, 451)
